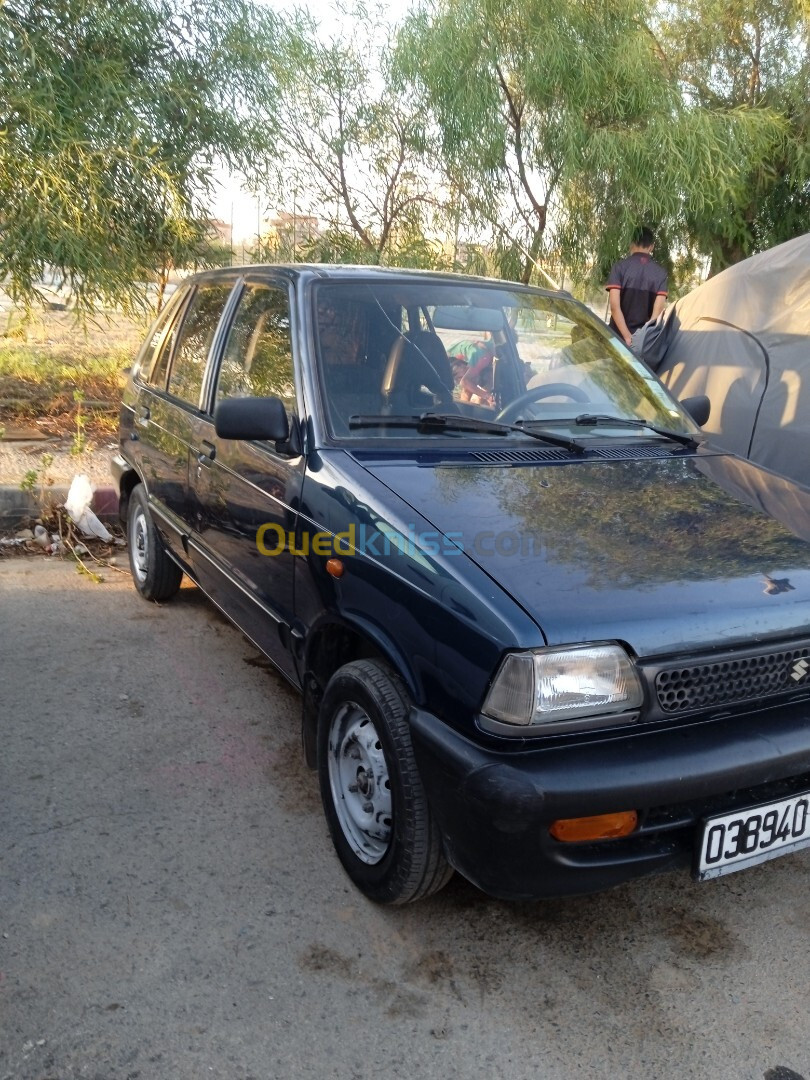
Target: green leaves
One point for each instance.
(749, 62)
(113, 113)
(527, 130)
(563, 125)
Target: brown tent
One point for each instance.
(743, 340)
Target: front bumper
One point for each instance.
(495, 808)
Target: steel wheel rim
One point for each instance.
(360, 784)
(139, 545)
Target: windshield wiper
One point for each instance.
(431, 423)
(598, 420)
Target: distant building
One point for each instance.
(289, 232)
(220, 232)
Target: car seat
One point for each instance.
(417, 375)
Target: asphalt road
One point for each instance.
(170, 907)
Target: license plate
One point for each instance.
(743, 838)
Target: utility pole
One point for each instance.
(295, 224)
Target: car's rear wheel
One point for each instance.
(377, 810)
(155, 575)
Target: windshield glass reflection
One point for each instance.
(403, 349)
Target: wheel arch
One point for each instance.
(330, 645)
(126, 485)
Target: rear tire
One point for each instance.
(156, 575)
(378, 814)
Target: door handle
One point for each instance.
(142, 415)
(206, 453)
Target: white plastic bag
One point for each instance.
(77, 505)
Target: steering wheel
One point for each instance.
(554, 389)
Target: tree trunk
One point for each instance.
(162, 281)
(726, 254)
(534, 250)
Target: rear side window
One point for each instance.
(258, 361)
(153, 362)
(196, 335)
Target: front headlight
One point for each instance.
(563, 689)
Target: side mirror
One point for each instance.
(252, 418)
(699, 408)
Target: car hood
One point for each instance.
(673, 554)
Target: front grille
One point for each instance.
(732, 679)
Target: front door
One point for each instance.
(246, 494)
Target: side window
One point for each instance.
(153, 362)
(257, 361)
(196, 334)
(160, 368)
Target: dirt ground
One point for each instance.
(54, 462)
(60, 389)
(61, 379)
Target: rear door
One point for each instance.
(165, 422)
(150, 375)
(246, 495)
(146, 441)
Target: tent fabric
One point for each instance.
(743, 339)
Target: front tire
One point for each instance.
(156, 575)
(381, 824)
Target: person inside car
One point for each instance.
(476, 382)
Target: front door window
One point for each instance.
(258, 361)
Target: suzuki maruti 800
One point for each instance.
(545, 634)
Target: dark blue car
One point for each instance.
(545, 634)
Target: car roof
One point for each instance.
(347, 272)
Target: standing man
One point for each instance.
(637, 287)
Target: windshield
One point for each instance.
(509, 355)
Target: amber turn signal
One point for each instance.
(334, 567)
(600, 827)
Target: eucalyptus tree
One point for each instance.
(562, 124)
(113, 115)
(351, 144)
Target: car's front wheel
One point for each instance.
(155, 575)
(378, 814)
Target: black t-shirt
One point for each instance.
(640, 279)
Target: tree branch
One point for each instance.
(343, 183)
(517, 116)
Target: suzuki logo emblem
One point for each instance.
(799, 670)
